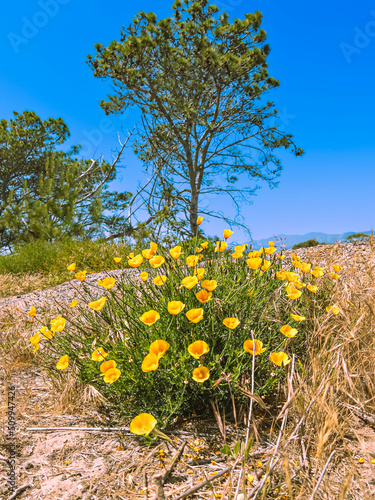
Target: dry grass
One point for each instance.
(342, 353)
(11, 284)
(315, 456)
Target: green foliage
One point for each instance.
(48, 194)
(193, 75)
(257, 299)
(307, 244)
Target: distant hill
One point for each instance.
(292, 239)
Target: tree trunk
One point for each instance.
(193, 214)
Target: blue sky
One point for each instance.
(322, 53)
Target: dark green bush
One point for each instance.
(307, 244)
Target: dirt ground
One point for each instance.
(65, 464)
(81, 464)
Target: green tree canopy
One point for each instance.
(200, 83)
(47, 193)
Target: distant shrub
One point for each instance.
(357, 237)
(307, 244)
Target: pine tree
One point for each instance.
(47, 193)
(200, 82)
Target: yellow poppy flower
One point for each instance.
(175, 307)
(317, 274)
(35, 339)
(305, 268)
(296, 317)
(280, 358)
(227, 233)
(209, 285)
(335, 276)
(117, 259)
(149, 317)
(81, 275)
(231, 323)
(312, 288)
(36, 348)
(199, 273)
(192, 260)
(271, 243)
(204, 245)
(336, 268)
(144, 276)
(136, 261)
(254, 254)
(333, 309)
(63, 362)
(97, 305)
(147, 254)
(157, 261)
(281, 275)
(199, 220)
(270, 250)
(266, 265)
(298, 285)
(46, 333)
(290, 276)
(107, 283)
(159, 280)
(221, 246)
(150, 363)
(175, 252)
(203, 296)
(201, 374)
(32, 312)
(58, 324)
(248, 347)
(153, 247)
(143, 424)
(237, 255)
(281, 257)
(198, 348)
(107, 365)
(254, 263)
(99, 354)
(292, 292)
(189, 282)
(71, 267)
(288, 331)
(159, 348)
(130, 256)
(73, 303)
(111, 375)
(198, 250)
(194, 315)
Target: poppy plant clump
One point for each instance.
(167, 343)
